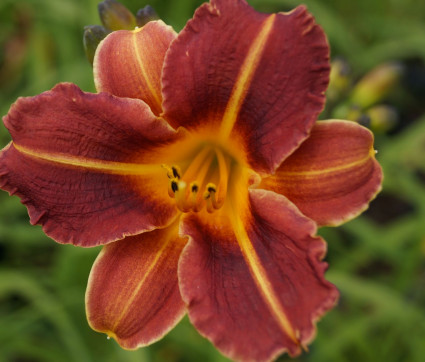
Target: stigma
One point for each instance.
(200, 181)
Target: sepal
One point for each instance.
(145, 15)
(115, 16)
(93, 35)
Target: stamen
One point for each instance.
(169, 171)
(201, 175)
(209, 164)
(181, 197)
(176, 172)
(208, 197)
(223, 179)
(172, 188)
(199, 161)
(212, 189)
(194, 188)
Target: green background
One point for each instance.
(377, 260)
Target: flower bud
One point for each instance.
(339, 79)
(146, 15)
(382, 118)
(376, 85)
(345, 111)
(115, 16)
(351, 113)
(355, 114)
(93, 35)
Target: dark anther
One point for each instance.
(211, 189)
(175, 172)
(195, 188)
(174, 186)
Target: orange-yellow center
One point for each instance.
(202, 181)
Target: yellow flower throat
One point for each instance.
(200, 181)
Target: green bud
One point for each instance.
(376, 85)
(341, 111)
(93, 35)
(146, 15)
(355, 114)
(339, 79)
(115, 16)
(382, 118)
(351, 113)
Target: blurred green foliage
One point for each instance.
(377, 260)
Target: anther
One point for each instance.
(170, 173)
(194, 187)
(190, 187)
(211, 188)
(176, 172)
(174, 186)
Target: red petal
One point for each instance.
(239, 72)
(255, 286)
(333, 176)
(133, 293)
(86, 165)
(129, 63)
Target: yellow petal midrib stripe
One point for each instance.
(261, 279)
(245, 76)
(334, 169)
(152, 264)
(91, 164)
(143, 70)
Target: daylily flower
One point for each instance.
(201, 168)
